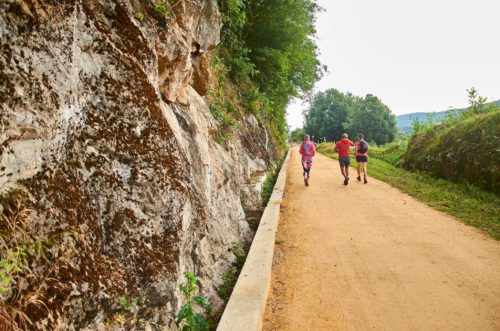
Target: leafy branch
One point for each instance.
(190, 319)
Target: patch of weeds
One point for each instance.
(240, 254)
(188, 317)
(279, 241)
(29, 258)
(16, 261)
(130, 303)
(253, 223)
(223, 103)
(162, 7)
(270, 181)
(230, 277)
(127, 318)
(139, 16)
(228, 281)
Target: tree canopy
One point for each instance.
(297, 135)
(270, 52)
(332, 113)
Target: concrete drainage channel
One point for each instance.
(247, 304)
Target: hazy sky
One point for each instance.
(414, 55)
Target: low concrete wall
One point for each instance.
(246, 307)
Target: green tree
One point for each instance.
(328, 114)
(332, 113)
(269, 50)
(373, 119)
(297, 134)
(476, 102)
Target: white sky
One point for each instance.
(414, 55)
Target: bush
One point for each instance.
(464, 150)
(391, 153)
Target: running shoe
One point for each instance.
(358, 178)
(366, 181)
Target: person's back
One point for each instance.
(343, 147)
(307, 151)
(362, 157)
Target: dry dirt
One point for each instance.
(362, 257)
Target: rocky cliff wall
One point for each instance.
(108, 162)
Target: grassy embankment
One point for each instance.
(467, 203)
(463, 149)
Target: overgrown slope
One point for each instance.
(463, 150)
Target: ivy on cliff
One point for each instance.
(269, 51)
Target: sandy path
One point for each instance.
(393, 264)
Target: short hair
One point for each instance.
(360, 136)
(344, 135)
(307, 137)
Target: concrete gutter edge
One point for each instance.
(247, 304)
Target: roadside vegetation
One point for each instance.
(190, 317)
(267, 55)
(230, 277)
(465, 148)
(270, 181)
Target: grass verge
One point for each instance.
(468, 203)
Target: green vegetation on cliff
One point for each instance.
(268, 52)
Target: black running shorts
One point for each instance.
(344, 161)
(361, 158)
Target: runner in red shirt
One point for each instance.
(307, 151)
(361, 147)
(342, 147)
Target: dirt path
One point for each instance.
(362, 257)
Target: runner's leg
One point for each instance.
(358, 164)
(365, 171)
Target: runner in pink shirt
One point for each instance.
(361, 156)
(307, 151)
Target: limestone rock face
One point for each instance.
(103, 123)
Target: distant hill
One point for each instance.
(404, 122)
